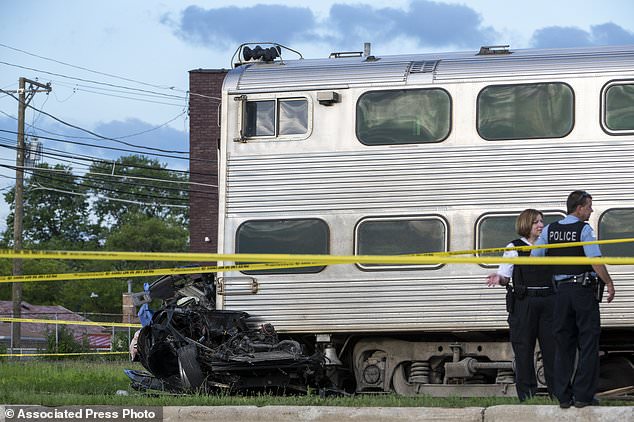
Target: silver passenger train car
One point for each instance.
(364, 154)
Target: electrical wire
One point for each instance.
(96, 134)
(93, 138)
(103, 147)
(150, 179)
(91, 81)
(209, 97)
(96, 160)
(42, 187)
(117, 93)
(102, 188)
(104, 177)
(84, 68)
(171, 88)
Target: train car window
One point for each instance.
(260, 118)
(293, 117)
(619, 107)
(542, 110)
(412, 116)
(497, 230)
(284, 236)
(400, 236)
(617, 224)
(279, 117)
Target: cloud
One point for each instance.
(561, 37)
(229, 26)
(426, 22)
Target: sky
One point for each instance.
(119, 68)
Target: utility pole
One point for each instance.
(24, 100)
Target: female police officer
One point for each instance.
(530, 303)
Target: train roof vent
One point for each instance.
(426, 66)
(493, 50)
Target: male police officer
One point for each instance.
(576, 315)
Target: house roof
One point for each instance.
(40, 330)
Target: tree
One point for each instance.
(55, 209)
(58, 213)
(136, 184)
(138, 232)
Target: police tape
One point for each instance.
(202, 257)
(61, 354)
(151, 272)
(69, 322)
(281, 261)
(330, 260)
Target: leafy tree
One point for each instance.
(136, 184)
(139, 233)
(138, 220)
(55, 208)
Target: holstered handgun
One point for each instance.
(510, 299)
(520, 291)
(598, 288)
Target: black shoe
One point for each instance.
(565, 404)
(580, 404)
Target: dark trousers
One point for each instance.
(532, 319)
(577, 326)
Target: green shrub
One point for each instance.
(64, 342)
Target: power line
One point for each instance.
(209, 97)
(171, 88)
(105, 177)
(122, 192)
(128, 98)
(84, 68)
(65, 141)
(109, 198)
(96, 134)
(136, 96)
(91, 81)
(98, 160)
(93, 138)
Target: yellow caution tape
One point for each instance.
(277, 261)
(319, 260)
(62, 354)
(150, 272)
(63, 322)
(201, 257)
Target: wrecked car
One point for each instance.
(188, 345)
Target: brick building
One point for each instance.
(205, 86)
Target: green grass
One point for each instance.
(63, 383)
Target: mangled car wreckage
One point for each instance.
(188, 345)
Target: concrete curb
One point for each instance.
(503, 413)
(319, 414)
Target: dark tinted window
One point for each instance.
(617, 224)
(400, 236)
(497, 231)
(619, 107)
(308, 236)
(525, 111)
(403, 116)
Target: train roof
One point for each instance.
(344, 72)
